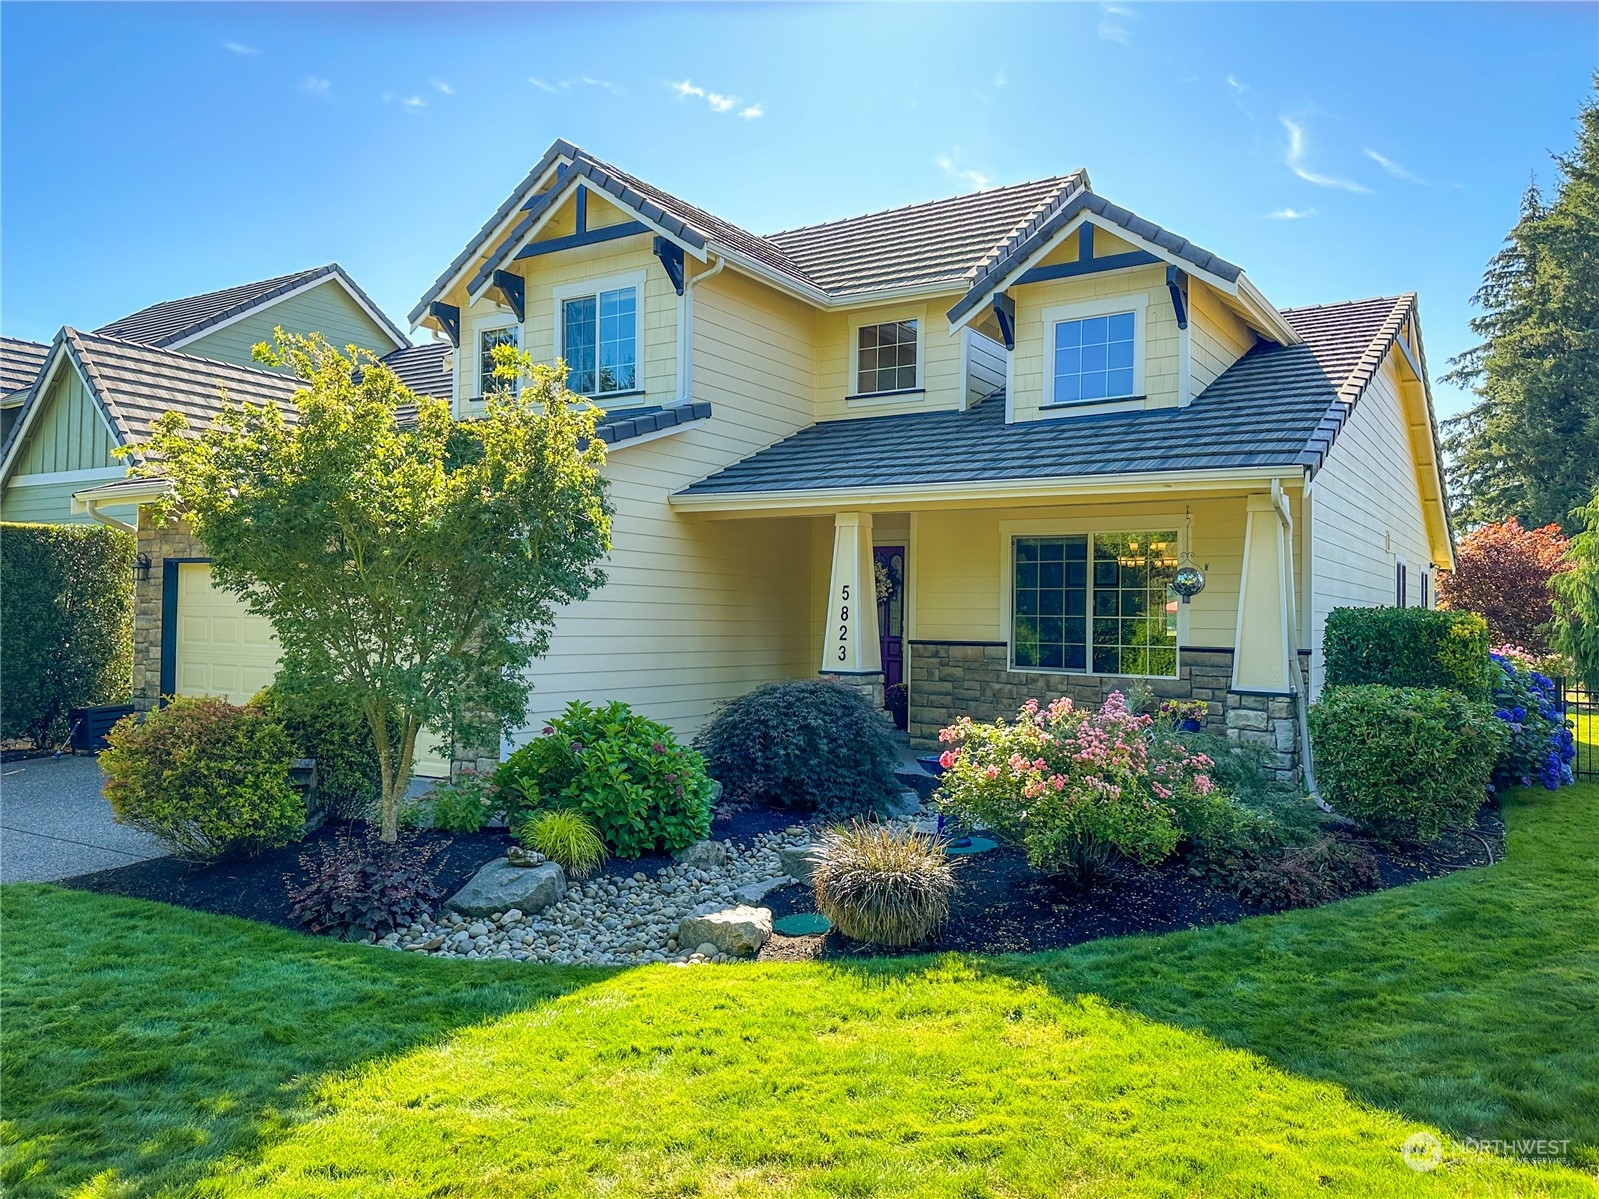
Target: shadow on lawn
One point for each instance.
(115, 1026)
(1466, 1002)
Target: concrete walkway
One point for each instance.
(54, 823)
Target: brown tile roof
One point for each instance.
(19, 363)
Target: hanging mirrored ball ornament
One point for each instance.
(1189, 580)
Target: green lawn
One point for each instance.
(156, 1051)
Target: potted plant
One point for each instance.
(1186, 715)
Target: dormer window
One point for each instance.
(599, 341)
(1094, 352)
(886, 357)
(487, 341)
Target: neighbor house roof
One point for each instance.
(1276, 406)
(19, 364)
(422, 368)
(174, 321)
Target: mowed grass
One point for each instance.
(150, 1050)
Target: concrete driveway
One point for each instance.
(54, 823)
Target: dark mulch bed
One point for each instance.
(1003, 906)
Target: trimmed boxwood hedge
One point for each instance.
(1409, 762)
(1408, 647)
(66, 611)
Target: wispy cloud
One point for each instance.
(316, 85)
(566, 85)
(542, 86)
(1393, 168)
(240, 48)
(439, 85)
(687, 89)
(1237, 84)
(409, 103)
(1114, 24)
(957, 172)
(1294, 157)
(1290, 214)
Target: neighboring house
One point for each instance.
(88, 394)
(1027, 405)
(19, 367)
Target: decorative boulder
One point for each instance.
(739, 931)
(799, 862)
(501, 886)
(907, 804)
(753, 893)
(704, 855)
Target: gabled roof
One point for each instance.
(421, 368)
(172, 322)
(1277, 406)
(19, 364)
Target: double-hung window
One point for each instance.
(487, 341)
(1093, 358)
(885, 357)
(1098, 603)
(599, 341)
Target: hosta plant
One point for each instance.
(1074, 787)
(883, 886)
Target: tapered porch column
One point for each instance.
(851, 651)
(1263, 704)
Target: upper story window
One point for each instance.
(886, 357)
(487, 340)
(1097, 603)
(1094, 357)
(599, 341)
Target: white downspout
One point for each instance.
(1284, 514)
(685, 330)
(91, 509)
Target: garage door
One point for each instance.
(225, 649)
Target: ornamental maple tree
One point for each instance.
(415, 563)
(1502, 571)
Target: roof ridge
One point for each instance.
(1346, 303)
(1019, 229)
(148, 347)
(216, 291)
(1360, 375)
(983, 191)
(71, 338)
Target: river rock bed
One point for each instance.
(612, 921)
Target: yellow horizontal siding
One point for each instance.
(1219, 336)
(836, 335)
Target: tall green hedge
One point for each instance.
(66, 624)
(1408, 647)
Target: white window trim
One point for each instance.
(563, 292)
(851, 396)
(490, 324)
(1136, 303)
(1010, 530)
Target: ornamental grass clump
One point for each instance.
(565, 837)
(1075, 788)
(883, 886)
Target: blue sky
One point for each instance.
(1334, 151)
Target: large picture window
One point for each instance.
(599, 341)
(1098, 603)
(885, 357)
(487, 341)
(1093, 358)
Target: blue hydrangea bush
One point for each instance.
(1541, 747)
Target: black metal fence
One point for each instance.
(1582, 710)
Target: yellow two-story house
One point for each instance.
(1016, 443)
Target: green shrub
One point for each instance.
(464, 804)
(334, 731)
(564, 836)
(809, 744)
(881, 886)
(1407, 647)
(205, 777)
(628, 775)
(66, 608)
(1408, 761)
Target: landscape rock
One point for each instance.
(799, 861)
(501, 887)
(907, 804)
(753, 893)
(738, 931)
(704, 854)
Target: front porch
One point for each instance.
(977, 607)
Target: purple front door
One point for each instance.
(889, 561)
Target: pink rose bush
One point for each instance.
(1074, 787)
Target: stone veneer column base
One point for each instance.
(948, 679)
(869, 685)
(160, 542)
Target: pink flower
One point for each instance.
(1058, 781)
(1203, 785)
(947, 759)
(1160, 791)
(992, 772)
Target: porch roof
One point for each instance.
(1278, 406)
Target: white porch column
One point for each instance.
(1266, 632)
(850, 647)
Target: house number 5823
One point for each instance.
(843, 625)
